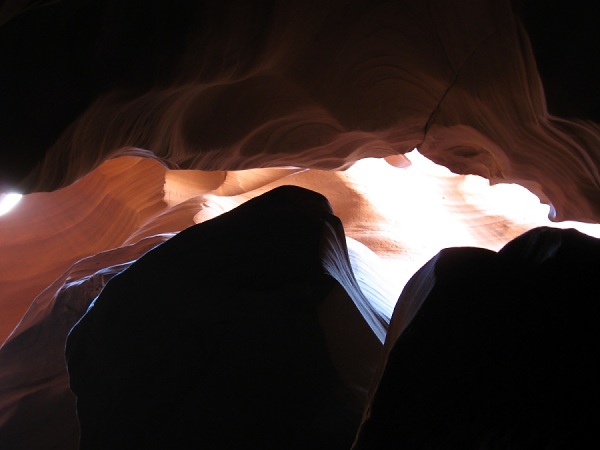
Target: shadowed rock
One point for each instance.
(214, 339)
(501, 354)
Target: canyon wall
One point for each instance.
(128, 122)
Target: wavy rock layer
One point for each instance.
(138, 124)
(48, 232)
(35, 392)
(128, 199)
(56, 285)
(244, 85)
(34, 379)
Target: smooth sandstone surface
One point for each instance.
(241, 85)
(127, 122)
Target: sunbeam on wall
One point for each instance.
(402, 214)
(395, 216)
(425, 207)
(60, 248)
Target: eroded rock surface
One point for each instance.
(242, 85)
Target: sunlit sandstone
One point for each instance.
(258, 102)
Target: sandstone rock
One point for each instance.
(213, 339)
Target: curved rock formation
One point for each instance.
(243, 85)
(34, 371)
(499, 351)
(129, 121)
(48, 232)
(215, 338)
(34, 386)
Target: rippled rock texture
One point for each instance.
(242, 289)
(238, 85)
(128, 122)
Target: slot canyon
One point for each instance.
(339, 224)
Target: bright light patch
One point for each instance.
(451, 204)
(511, 201)
(424, 208)
(8, 202)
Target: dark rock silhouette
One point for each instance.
(98, 98)
(214, 339)
(34, 382)
(501, 354)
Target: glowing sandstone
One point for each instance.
(300, 87)
(323, 86)
(452, 203)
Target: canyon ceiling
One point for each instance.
(126, 122)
